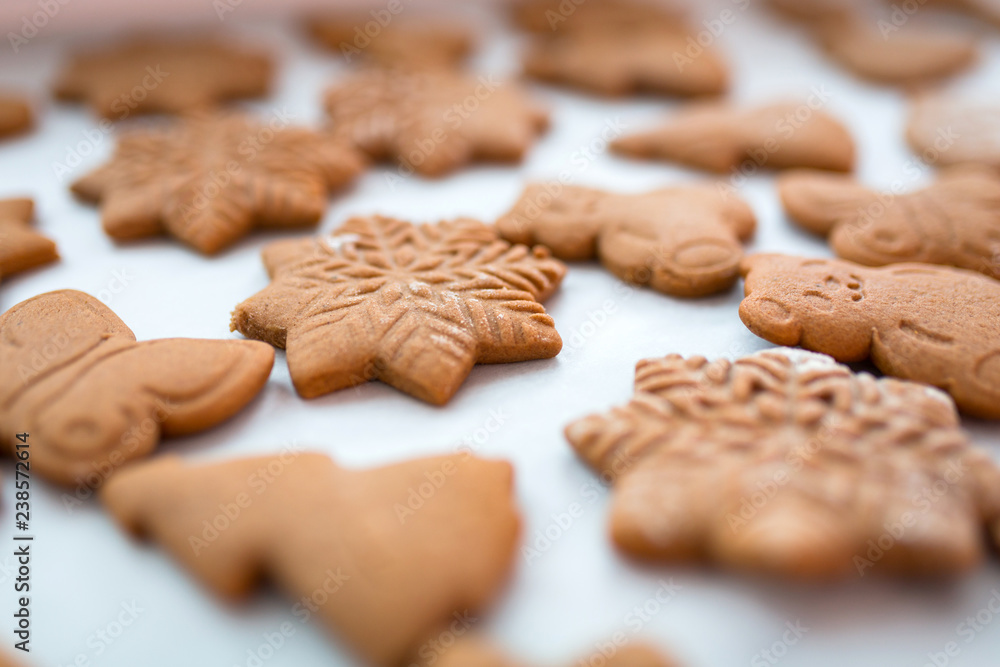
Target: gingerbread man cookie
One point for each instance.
(684, 241)
(955, 221)
(394, 551)
(787, 463)
(922, 322)
(91, 398)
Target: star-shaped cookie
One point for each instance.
(415, 306)
(434, 120)
(922, 322)
(787, 463)
(424, 43)
(155, 76)
(91, 398)
(684, 241)
(209, 180)
(955, 221)
(382, 565)
(720, 138)
(21, 247)
(15, 115)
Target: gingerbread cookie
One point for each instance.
(15, 115)
(721, 138)
(651, 58)
(410, 44)
(987, 10)
(434, 120)
(548, 16)
(476, 652)
(209, 180)
(910, 56)
(946, 132)
(21, 247)
(955, 221)
(91, 398)
(932, 324)
(789, 464)
(905, 55)
(152, 76)
(393, 552)
(683, 241)
(415, 306)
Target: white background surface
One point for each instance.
(579, 591)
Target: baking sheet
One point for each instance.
(88, 578)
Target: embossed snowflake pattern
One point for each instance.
(415, 306)
(208, 180)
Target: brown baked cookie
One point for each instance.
(476, 652)
(91, 398)
(787, 463)
(21, 247)
(857, 39)
(415, 306)
(547, 16)
(955, 221)
(650, 58)
(907, 57)
(932, 324)
(720, 138)
(946, 132)
(383, 556)
(15, 115)
(396, 44)
(987, 10)
(154, 76)
(209, 180)
(434, 120)
(684, 241)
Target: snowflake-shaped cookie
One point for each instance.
(788, 463)
(416, 306)
(209, 180)
(434, 120)
(163, 77)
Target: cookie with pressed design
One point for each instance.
(162, 76)
(720, 138)
(91, 398)
(955, 221)
(685, 241)
(415, 306)
(208, 180)
(433, 121)
(789, 464)
(921, 322)
(384, 557)
(423, 43)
